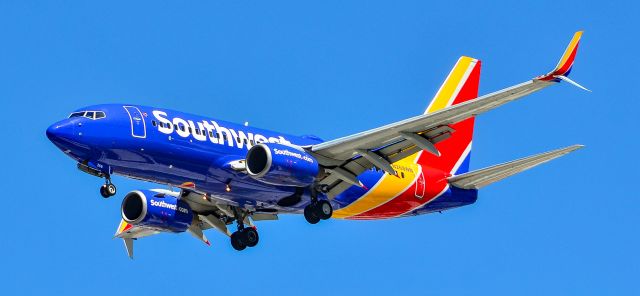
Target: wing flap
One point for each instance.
(483, 177)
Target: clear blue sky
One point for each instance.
(329, 68)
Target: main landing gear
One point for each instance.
(245, 236)
(108, 189)
(318, 210)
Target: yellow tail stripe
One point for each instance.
(450, 85)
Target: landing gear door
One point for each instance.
(138, 126)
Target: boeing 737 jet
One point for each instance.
(218, 173)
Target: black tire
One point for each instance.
(250, 236)
(111, 189)
(310, 214)
(323, 209)
(103, 191)
(237, 241)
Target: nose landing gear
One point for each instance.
(108, 189)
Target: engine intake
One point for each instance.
(282, 165)
(157, 210)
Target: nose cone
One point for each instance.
(67, 136)
(60, 131)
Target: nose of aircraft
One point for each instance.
(62, 130)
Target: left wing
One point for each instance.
(345, 158)
(128, 233)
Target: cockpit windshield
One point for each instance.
(89, 114)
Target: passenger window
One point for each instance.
(402, 174)
(211, 134)
(153, 122)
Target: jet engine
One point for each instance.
(282, 165)
(157, 210)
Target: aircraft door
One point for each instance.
(138, 126)
(420, 186)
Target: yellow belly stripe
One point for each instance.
(385, 190)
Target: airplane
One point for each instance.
(220, 173)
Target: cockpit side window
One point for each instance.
(77, 114)
(89, 114)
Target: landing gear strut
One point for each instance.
(318, 209)
(245, 236)
(108, 189)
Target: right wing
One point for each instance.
(345, 158)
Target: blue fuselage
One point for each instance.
(171, 147)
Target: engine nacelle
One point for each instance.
(158, 210)
(282, 165)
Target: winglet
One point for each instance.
(565, 64)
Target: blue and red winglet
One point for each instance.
(565, 64)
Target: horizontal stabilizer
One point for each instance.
(483, 177)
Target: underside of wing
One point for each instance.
(483, 177)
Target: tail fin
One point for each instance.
(460, 86)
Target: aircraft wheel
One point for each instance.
(237, 241)
(111, 189)
(323, 209)
(251, 237)
(310, 214)
(103, 191)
